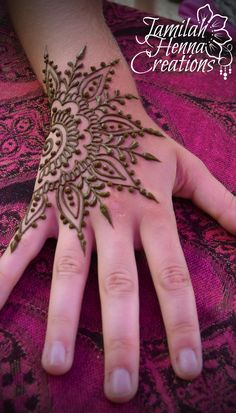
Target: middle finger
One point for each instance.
(118, 285)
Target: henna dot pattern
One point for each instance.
(91, 147)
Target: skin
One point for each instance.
(151, 226)
(86, 120)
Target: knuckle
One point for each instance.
(119, 283)
(150, 214)
(116, 206)
(58, 319)
(157, 215)
(183, 328)
(67, 266)
(174, 277)
(120, 344)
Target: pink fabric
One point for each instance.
(199, 111)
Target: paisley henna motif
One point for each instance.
(91, 146)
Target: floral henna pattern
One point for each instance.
(91, 146)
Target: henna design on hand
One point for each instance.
(91, 146)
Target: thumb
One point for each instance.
(194, 181)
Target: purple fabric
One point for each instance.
(199, 111)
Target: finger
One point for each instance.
(13, 264)
(206, 191)
(70, 271)
(118, 285)
(174, 289)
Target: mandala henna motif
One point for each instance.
(91, 146)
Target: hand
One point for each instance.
(106, 179)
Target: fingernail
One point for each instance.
(57, 354)
(187, 361)
(120, 382)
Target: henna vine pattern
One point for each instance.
(91, 146)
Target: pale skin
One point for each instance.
(63, 27)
